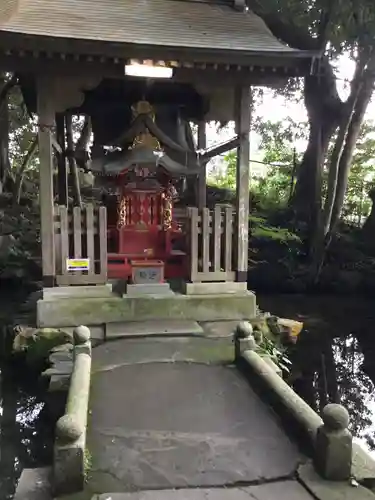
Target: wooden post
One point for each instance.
(202, 179)
(46, 199)
(73, 169)
(62, 171)
(243, 118)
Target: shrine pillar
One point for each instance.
(62, 171)
(242, 115)
(46, 125)
(202, 179)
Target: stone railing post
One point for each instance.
(329, 438)
(333, 449)
(69, 451)
(264, 373)
(243, 339)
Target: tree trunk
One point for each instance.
(4, 133)
(341, 140)
(350, 143)
(324, 110)
(334, 166)
(21, 174)
(72, 163)
(362, 89)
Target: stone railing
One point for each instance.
(69, 451)
(329, 437)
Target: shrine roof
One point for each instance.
(208, 25)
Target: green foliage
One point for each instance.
(20, 248)
(226, 178)
(357, 204)
(351, 23)
(260, 229)
(87, 464)
(277, 145)
(22, 132)
(269, 348)
(278, 148)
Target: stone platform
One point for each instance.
(58, 310)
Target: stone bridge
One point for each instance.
(193, 417)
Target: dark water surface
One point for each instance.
(25, 426)
(334, 359)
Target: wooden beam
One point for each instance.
(202, 179)
(46, 116)
(243, 118)
(38, 45)
(218, 150)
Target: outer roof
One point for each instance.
(198, 24)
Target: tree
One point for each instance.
(7, 82)
(225, 176)
(333, 28)
(278, 145)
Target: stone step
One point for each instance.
(34, 484)
(65, 312)
(280, 490)
(61, 292)
(152, 328)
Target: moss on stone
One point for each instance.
(36, 343)
(95, 311)
(87, 464)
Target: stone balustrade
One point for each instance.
(329, 437)
(69, 451)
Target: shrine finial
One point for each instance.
(145, 138)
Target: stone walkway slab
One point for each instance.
(149, 350)
(149, 328)
(168, 425)
(34, 484)
(286, 490)
(331, 490)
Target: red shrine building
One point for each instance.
(146, 76)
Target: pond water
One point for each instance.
(333, 360)
(25, 426)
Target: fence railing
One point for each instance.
(211, 241)
(81, 234)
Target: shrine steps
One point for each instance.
(153, 328)
(103, 312)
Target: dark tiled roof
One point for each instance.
(196, 24)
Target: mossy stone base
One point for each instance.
(64, 312)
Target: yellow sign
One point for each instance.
(78, 264)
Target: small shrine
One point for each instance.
(146, 79)
(145, 242)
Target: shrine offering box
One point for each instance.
(147, 272)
